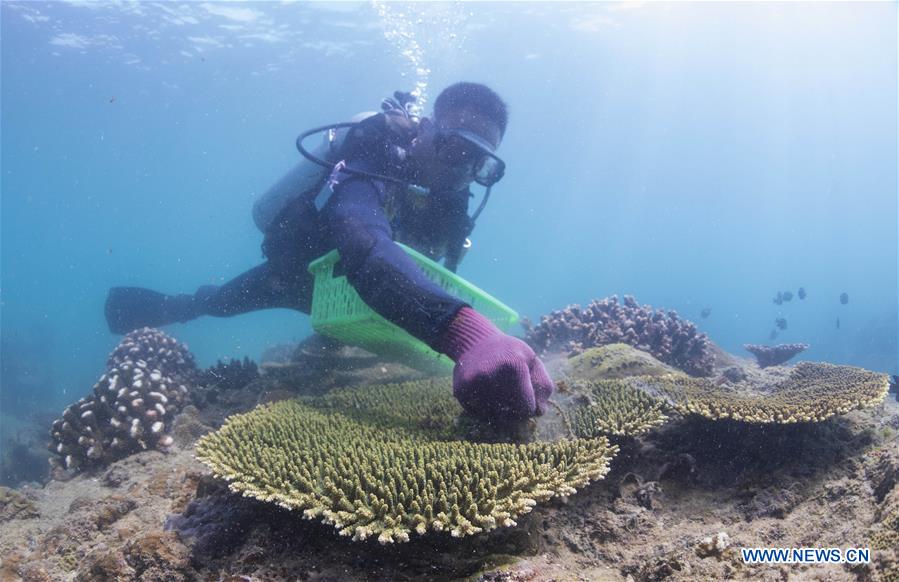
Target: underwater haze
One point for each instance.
(702, 157)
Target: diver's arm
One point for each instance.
(385, 277)
(496, 376)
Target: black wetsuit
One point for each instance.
(362, 218)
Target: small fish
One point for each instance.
(705, 312)
(781, 323)
(779, 298)
(112, 99)
(773, 334)
(802, 292)
(838, 323)
(788, 296)
(844, 298)
(894, 386)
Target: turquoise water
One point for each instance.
(693, 155)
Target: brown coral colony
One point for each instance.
(774, 355)
(131, 407)
(664, 334)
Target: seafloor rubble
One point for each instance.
(683, 494)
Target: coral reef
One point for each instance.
(883, 536)
(231, 376)
(157, 350)
(887, 536)
(831, 484)
(319, 364)
(663, 334)
(811, 392)
(734, 374)
(713, 545)
(156, 556)
(372, 479)
(774, 355)
(613, 407)
(426, 405)
(14, 505)
(592, 400)
(132, 406)
(222, 380)
(612, 361)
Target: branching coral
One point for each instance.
(231, 376)
(420, 405)
(774, 355)
(614, 407)
(368, 478)
(812, 392)
(663, 334)
(131, 407)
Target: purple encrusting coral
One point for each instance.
(669, 338)
(131, 407)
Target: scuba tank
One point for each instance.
(305, 178)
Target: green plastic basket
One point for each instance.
(339, 312)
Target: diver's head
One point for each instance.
(457, 146)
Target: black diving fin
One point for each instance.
(130, 308)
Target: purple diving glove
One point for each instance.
(497, 376)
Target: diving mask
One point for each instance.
(459, 147)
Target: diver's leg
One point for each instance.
(267, 286)
(129, 308)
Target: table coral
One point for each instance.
(812, 392)
(422, 404)
(774, 355)
(613, 407)
(370, 477)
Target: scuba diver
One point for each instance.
(384, 178)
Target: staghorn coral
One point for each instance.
(663, 334)
(812, 392)
(132, 405)
(368, 478)
(774, 355)
(614, 408)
